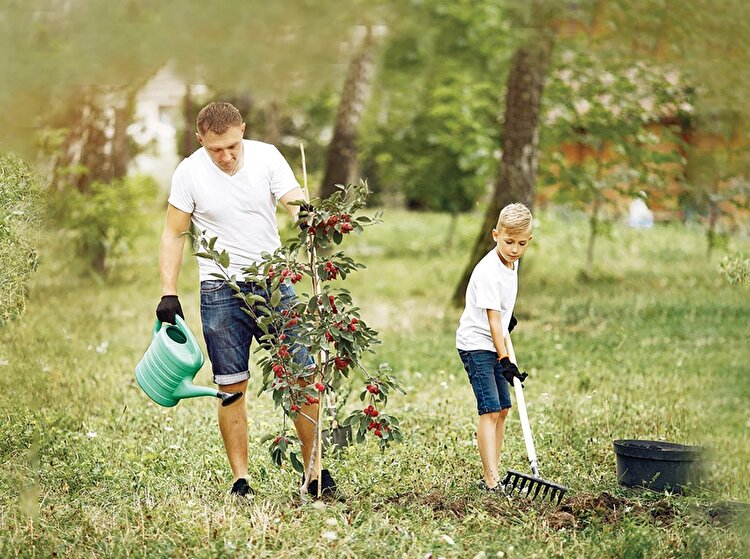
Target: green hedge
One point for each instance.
(19, 215)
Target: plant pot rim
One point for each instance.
(657, 450)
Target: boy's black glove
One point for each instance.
(512, 324)
(169, 306)
(509, 370)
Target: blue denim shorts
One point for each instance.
(491, 389)
(229, 331)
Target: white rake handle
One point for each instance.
(525, 426)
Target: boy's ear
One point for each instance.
(494, 235)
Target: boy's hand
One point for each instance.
(512, 324)
(509, 370)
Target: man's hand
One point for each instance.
(512, 324)
(304, 210)
(509, 370)
(169, 306)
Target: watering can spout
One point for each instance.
(166, 371)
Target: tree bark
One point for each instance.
(341, 161)
(518, 166)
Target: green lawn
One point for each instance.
(653, 345)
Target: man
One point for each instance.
(229, 188)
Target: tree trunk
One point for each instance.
(342, 152)
(517, 174)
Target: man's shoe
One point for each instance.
(328, 488)
(242, 488)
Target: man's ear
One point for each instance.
(198, 137)
(243, 129)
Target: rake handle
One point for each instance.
(521, 402)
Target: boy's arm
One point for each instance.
(496, 330)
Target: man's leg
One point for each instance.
(306, 433)
(487, 442)
(233, 426)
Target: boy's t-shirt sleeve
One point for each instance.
(489, 293)
(180, 196)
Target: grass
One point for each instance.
(651, 344)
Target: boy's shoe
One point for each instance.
(499, 488)
(328, 488)
(242, 488)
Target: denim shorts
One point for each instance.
(229, 331)
(491, 389)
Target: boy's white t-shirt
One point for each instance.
(239, 209)
(492, 286)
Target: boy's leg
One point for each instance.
(499, 432)
(488, 447)
(480, 367)
(233, 427)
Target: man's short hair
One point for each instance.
(515, 218)
(218, 118)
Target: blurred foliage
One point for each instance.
(612, 133)
(105, 221)
(20, 214)
(736, 269)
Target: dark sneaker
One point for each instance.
(241, 488)
(328, 488)
(499, 488)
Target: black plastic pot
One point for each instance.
(658, 465)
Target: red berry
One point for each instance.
(341, 362)
(352, 327)
(320, 386)
(378, 433)
(292, 322)
(346, 227)
(282, 337)
(295, 407)
(285, 272)
(329, 337)
(277, 440)
(283, 351)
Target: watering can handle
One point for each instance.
(179, 322)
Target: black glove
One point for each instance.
(512, 324)
(509, 370)
(169, 306)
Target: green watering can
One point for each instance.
(169, 365)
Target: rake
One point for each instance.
(531, 486)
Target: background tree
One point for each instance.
(612, 131)
(341, 162)
(516, 180)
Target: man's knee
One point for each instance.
(236, 387)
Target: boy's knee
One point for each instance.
(503, 413)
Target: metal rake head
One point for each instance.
(532, 487)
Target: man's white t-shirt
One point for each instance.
(492, 286)
(239, 209)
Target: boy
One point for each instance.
(480, 338)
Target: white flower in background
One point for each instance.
(174, 447)
(329, 535)
(568, 56)
(647, 104)
(672, 77)
(565, 75)
(102, 347)
(3, 362)
(554, 114)
(582, 106)
(447, 539)
(168, 428)
(686, 107)
(606, 100)
(91, 434)
(607, 79)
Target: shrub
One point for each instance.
(736, 269)
(106, 219)
(19, 213)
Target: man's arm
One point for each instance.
(171, 247)
(496, 330)
(292, 196)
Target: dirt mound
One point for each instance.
(584, 508)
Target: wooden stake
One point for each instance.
(317, 454)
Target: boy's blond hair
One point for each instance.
(514, 218)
